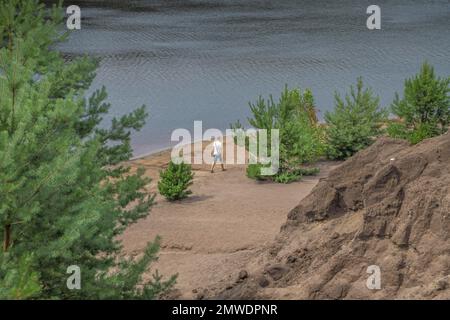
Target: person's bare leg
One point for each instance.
(223, 167)
(212, 166)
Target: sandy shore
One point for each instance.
(210, 236)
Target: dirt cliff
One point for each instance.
(388, 206)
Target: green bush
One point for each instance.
(295, 174)
(254, 172)
(287, 177)
(301, 142)
(354, 122)
(420, 132)
(423, 131)
(294, 115)
(175, 181)
(397, 130)
(424, 108)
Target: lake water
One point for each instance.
(204, 60)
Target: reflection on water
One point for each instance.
(204, 60)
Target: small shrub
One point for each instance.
(295, 174)
(354, 123)
(413, 135)
(287, 177)
(397, 130)
(423, 131)
(175, 181)
(254, 172)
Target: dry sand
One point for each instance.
(387, 206)
(210, 236)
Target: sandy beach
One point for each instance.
(209, 237)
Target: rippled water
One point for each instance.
(204, 60)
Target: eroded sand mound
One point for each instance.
(388, 206)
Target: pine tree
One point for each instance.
(424, 110)
(175, 181)
(294, 115)
(64, 195)
(354, 122)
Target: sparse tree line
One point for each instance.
(65, 195)
(422, 111)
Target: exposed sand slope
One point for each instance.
(227, 220)
(389, 206)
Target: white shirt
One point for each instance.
(217, 147)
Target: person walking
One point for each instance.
(217, 154)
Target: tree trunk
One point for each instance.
(7, 237)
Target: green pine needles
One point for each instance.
(354, 123)
(301, 136)
(175, 181)
(424, 110)
(64, 197)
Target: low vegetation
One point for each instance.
(301, 136)
(65, 195)
(424, 109)
(175, 181)
(354, 123)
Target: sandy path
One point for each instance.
(210, 236)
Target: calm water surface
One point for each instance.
(204, 60)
